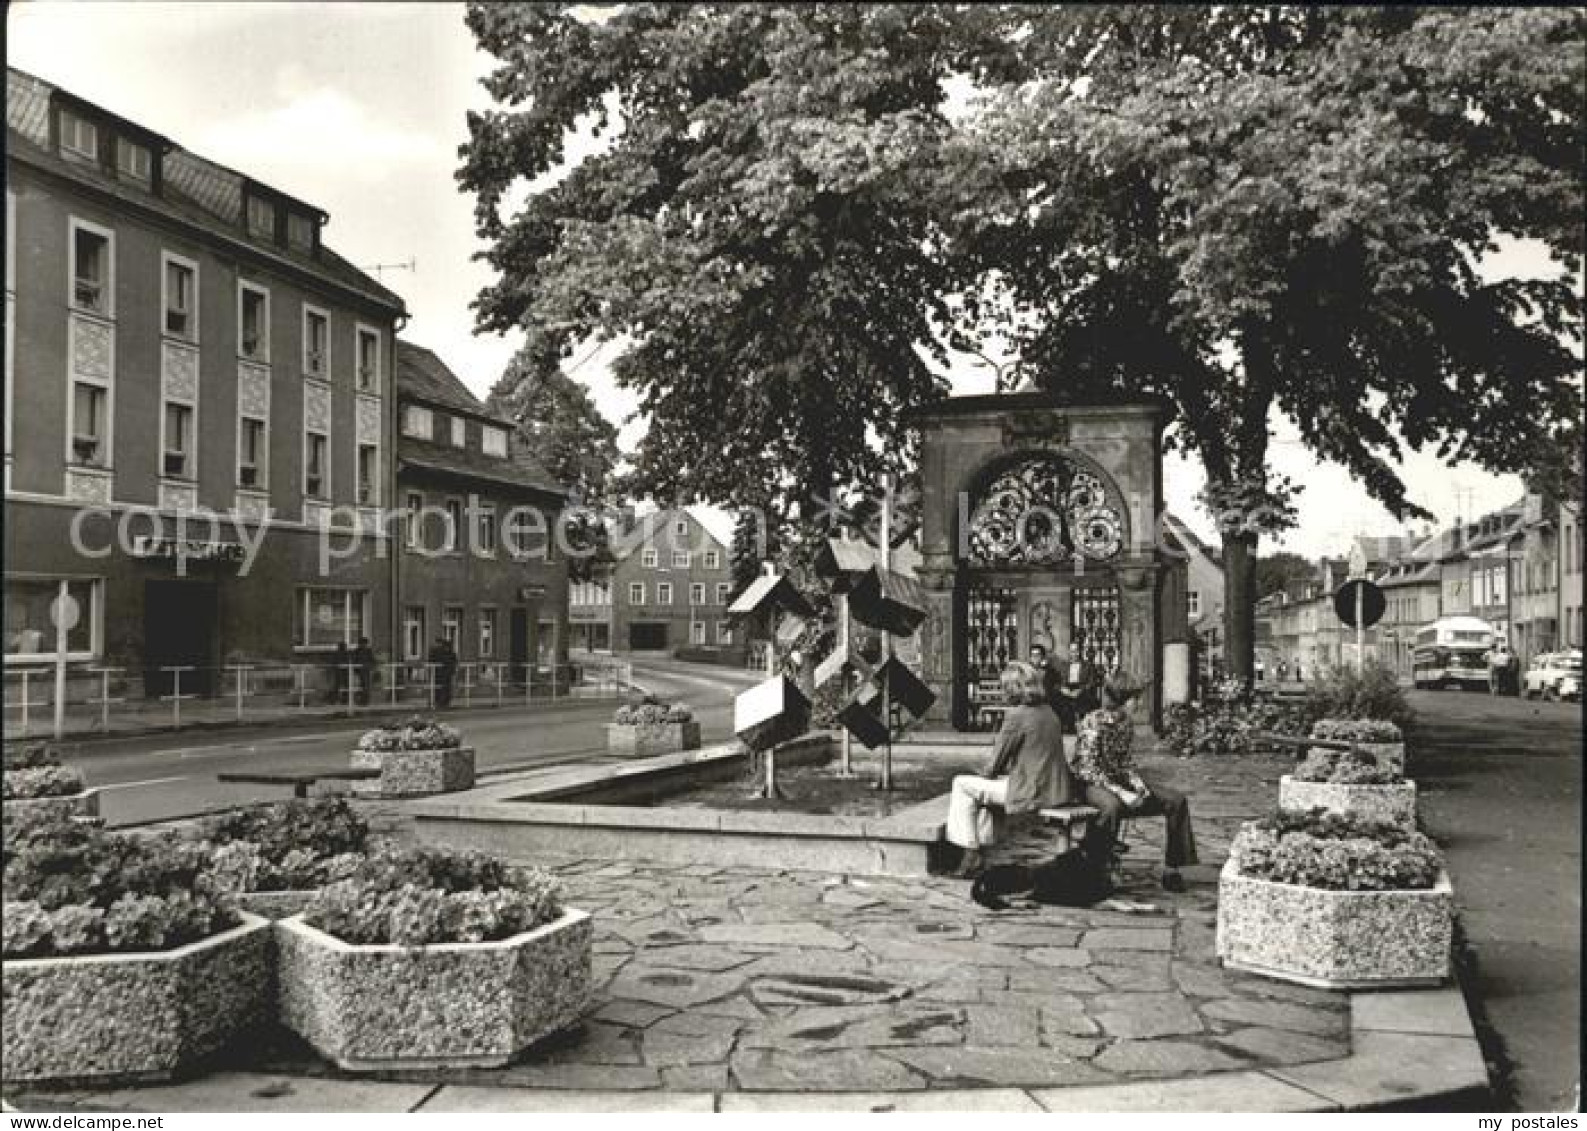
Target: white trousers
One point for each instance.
(971, 820)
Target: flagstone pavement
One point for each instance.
(716, 979)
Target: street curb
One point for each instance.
(1412, 1050)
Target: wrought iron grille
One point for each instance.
(991, 640)
(1096, 627)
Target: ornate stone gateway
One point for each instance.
(1038, 528)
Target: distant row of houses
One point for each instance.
(1518, 568)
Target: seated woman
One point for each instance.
(1028, 768)
(1106, 770)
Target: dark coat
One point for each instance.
(1029, 749)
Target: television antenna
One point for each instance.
(411, 265)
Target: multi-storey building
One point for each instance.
(480, 564)
(1570, 570)
(198, 425)
(670, 587)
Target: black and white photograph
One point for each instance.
(747, 558)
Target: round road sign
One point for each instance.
(1370, 598)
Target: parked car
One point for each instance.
(1553, 675)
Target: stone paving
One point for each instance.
(719, 979)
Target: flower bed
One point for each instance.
(428, 958)
(1349, 783)
(120, 961)
(1382, 739)
(415, 758)
(1336, 902)
(272, 858)
(652, 727)
(35, 784)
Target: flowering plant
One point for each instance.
(30, 756)
(416, 733)
(287, 846)
(1344, 767)
(1357, 730)
(425, 896)
(651, 712)
(40, 781)
(1318, 849)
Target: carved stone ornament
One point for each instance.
(1043, 510)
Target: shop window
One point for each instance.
(328, 617)
(30, 633)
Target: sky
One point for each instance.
(359, 108)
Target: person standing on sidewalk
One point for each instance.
(1106, 769)
(444, 657)
(364, 660)
(339, 661)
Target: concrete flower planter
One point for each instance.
(371, 1008)
(416, 773)
(132, 1017)
(84, 804)
(656, 738)
(1389, 755)
(1393, 803)
(1340, 940)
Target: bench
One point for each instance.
(299, 782)
(1066, 819)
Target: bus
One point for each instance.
(1452, 652)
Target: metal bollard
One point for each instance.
(241, 676)
(176, 695)
(300, 684)
(104, 701)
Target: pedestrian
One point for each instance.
(444, 657)
(1106, 771)
(1050, 680)
(364, 661)
(1028, 769)
(1283, 670)
(1079, 691)
(339, 661)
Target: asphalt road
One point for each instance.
(1500, 785)
(156, 777)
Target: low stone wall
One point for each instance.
(461, 1004)
(1335, 939)
(415, 773)
(659, 738)
(132, 1017)
(1393, 803)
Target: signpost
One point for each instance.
(1360, 605)
(64, 615)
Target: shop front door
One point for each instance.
(518, 643)
(179, 631)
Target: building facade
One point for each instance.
(1570, 571)
(479, 564)
(668, 590)
(198, 407)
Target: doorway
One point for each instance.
(179, 631)
(647, 637)
(518, 643)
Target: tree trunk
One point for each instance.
(1239, 606)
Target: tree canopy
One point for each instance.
(561, 424)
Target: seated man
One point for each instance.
(1106, 770)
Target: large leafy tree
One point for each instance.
(560, 423)
(752, 229)
(1260, 211)
(1278, 571)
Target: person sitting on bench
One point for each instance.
(1106, 769)
(1028, 769)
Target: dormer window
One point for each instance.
(300, 231)
(134, 162)
(459, 432)
(261, 218)
(79, 136)
(494, 442)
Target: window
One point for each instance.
(454, 523)
(415, 507)
(418, 422)
(697, 593)
(458, 432)
(636, 592)
(648, 559)
(316, 343)
(178, 442)
(30, 633)
(713, 560)
(316, 469)
(452, 626)
(181, 311)
(1193, 600)
(300, 231)
(487, 531)
(90, 269)
(368, 360)
(261, 218)
(681, 528)
(79, 136)
(328, 617)
(494, 442)
(251, 451)
(724, 632)
(487, 633)
(253, 322)
(664, 593)
(519, 530)
(368, 475)
(134, 162)
(723, 590)
(697, 632)
(680, 559)
(90, 424)
(413, 635)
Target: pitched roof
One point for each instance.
(194, 190)
(423, 376)
(1178, 532)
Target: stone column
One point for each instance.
(1141, 639)
(937, 644)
